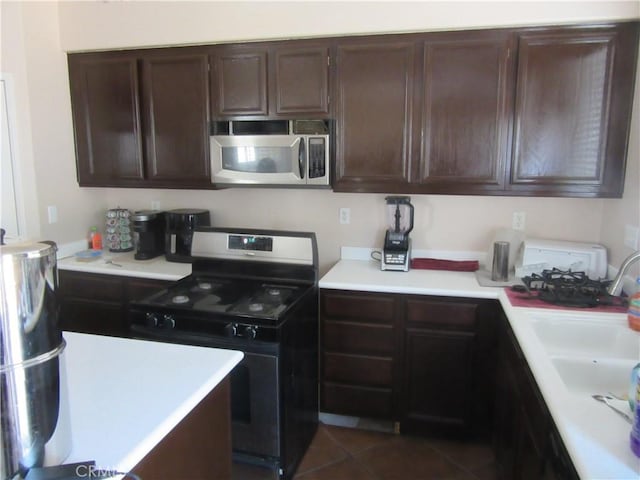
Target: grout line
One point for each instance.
(330, 463)
(354, 457)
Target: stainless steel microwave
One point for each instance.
(270, 153)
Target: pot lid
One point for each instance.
(28, 249)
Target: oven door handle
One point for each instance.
(141, 332)
(302, 158)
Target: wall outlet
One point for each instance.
(518, 221)
(155, 204)
(52, 213)
(631, 236)
(345, 216)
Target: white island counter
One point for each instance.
(126, 395)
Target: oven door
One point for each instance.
(255, 392)
(258, 160)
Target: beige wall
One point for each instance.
(91, 25)
(442, 222)
(618, 213)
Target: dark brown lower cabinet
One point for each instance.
(199, 447)
(422, 361)
(447, 365)
(526, 441)
(438, 366)
(358, 359)
(97, 303)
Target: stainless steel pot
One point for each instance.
(34, 412)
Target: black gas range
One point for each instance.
(218, 306)
(254, 291)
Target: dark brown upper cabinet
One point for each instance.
(465, 102)
(141, 118)
(375, 80)
(423, 113)
(106, 117)
(239, 81)
(301, 80)
(532, 111)
(270, 80)
(572, 110)
(541, 111)
(176, 118)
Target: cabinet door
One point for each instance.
(438, 384)
(466, 97)
(301, 80)
(374, 110)
(104, 99)
(92, 303)
(239, 82)
(572, 110)
(176, 117)
(446, 364)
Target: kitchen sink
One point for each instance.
(596, 336)
(589, 376)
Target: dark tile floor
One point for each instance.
(339, 453)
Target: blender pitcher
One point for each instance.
(397, 244)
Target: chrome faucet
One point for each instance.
(616, 285)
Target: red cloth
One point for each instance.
(452, 265)
(524, 300)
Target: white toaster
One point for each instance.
(537, 255)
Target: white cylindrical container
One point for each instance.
(500, 267)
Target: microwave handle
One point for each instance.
(301, 157)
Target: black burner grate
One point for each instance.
(570, 289)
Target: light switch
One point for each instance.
(345, 216)
(52, 213)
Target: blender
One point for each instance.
(397, 244)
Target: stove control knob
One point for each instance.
(231, 329)
(250, 332)
(168, 322)
(151, 320)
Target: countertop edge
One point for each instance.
(125, 265)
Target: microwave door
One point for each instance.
(256, 160)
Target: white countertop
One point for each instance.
(126, 395)
(157, 268)
(596, 438)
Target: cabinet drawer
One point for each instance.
(359, 401)
(350, 337)
(358, 307)
(452, 315)
(91, 287)
(360, 370)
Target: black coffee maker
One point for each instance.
(179, 232)
(148, 233)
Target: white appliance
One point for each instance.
(537, 255)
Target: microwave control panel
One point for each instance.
(317, 154)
